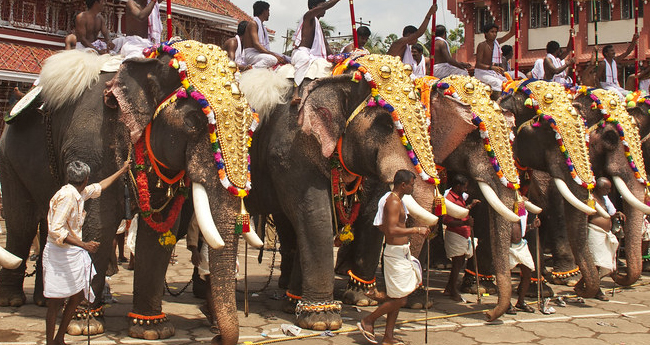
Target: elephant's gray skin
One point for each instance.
(535, 147)
(291, 175)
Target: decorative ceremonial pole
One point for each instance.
(636, 46)
(596, 17)
(432, 52)
(426, 293)
(478, 285)
(354, 25)
(516, 39)
(573, 41)
(169, 20)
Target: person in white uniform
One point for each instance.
(444, 65)
(402, 272)
(410, 36)
(257, 47)
(489, 58)
(608, 68)
(422, 62)
(557, 61)
(67, 267)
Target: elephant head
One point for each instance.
(551, 138)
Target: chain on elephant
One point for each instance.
(356, 293)
(87, 321)
(319, 316)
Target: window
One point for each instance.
(564, 12)
(603, 11)
(627, 9)
(507, 15)
(539, 16)
(483, 17)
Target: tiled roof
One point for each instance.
(223, 7)
(20, 58)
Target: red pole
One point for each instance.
(636, 47)
(516, 39)
(573, 41)
(433, 43)
(354, 25)
(169, 20)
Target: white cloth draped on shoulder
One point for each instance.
(262, 34)
(239, 52)
(402, 272)
(611, 80)
(407, 58)
(303, 57)
(155, 25)
(420, 68)
(379, 217)
(497, 56)
(538, 69)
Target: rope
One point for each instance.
(268, 280)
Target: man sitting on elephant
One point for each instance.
(602, 242)
(489, 57)
(67, 267)
(608, 71)
(403, 273)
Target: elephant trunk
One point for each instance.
(576, 222)
(632, 230)
(501, 230)
(8, 260)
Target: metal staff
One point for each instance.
(246, 280)
(539, 271)
(636, 46)
(169, 20)
(573, 42)
(596, 17)
(516, 39)
(354, 25)
(433, 43)
(426, 294)
(478, 286)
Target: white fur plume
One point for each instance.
(264, 89)
(66, 75)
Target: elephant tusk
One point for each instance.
(628, 196)
(204, 216)
(571, 198)
(251, 237)
(602, 212)
(496, 203)
(8, 260)
(456, 211)
(418, 212)
(532, 208)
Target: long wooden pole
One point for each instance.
(432, 52)
(516, 39)
(354, 25)
(573, 41)
(169, 20)
(596, 18)
(636, 46)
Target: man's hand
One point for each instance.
(110, 45)
(196, 257)
(570, 60)
(635, 37)
(473, 203)
(125, 167)
(91, 246)
(470, 221)
(433, 9)
(497, 69)
(423, 231)
(466, 65)
(281, 58)
(620, 215)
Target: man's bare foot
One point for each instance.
(392, 341)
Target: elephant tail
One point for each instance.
(264, 89)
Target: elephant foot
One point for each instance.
(12, 299)
(319, 316)
(547, 291)
(486, 283)
(418, 300)
(569, 278)
(80, 325)
(150, 327)
(355, 293)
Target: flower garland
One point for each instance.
(376, 100)
(178, 62)
(483, 131)
(346, 236)
(531, 102)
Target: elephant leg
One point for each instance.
(288, 247)
(294, 290)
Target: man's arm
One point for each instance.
(391, 219)
(319, 10)
(569, 45)
(109, 180)
(349, 48)
(230, 46)
(251, 31)
(398, 46)
(137, 12)
(106, 34)
(550, 70)
(630, 48)
(510, 33)
(441, 47)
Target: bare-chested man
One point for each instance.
(557, 61)
(309, 43)
(136, 19)
(403, 273)
(410, 35)
(489, 57)
(363, 34)
(445, 65)
(257, 48)
(89, 24)
(234, 47)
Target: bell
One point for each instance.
(141, 322)
(170, 192)
(356, 198)
(181, 183)
(201, 61)
(149, 169)
(135, 321)
(385, 71)
(159, 184)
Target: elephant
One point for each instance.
(100, 127)
(543, 113)
(292, 170)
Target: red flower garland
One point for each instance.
(338, 202)
(144, 196)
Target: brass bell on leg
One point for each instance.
(181, 183)
(159, 184)
(170, 192)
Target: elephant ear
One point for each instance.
(451, 122)
(325, 108)
(137, 89)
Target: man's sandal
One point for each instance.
(525, 307)
(368, 335)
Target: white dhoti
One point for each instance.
(303, 60)
(133, 46)
(402, 272)
(520, 254)
(621, 92)
(443, 70)
(492, 78)
(259, 60)
(603, 245)
(645, 229)
(66, 271)
(644, 86)
(457, 245)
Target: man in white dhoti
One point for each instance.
(410, 36)
(458, 245)
(602, 242)
(142, 27)
(422, 63)
(608, 70)
(557, 61)
(67, 267)
(520, 256)
(309, 43)
(234, 47)
(89, 24)
(402, 272)
(489, 57)
(363, 34)
(257, 47)
(538, 70)
(444, 65)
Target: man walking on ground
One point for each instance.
(489, 57)
(445, 65)
(410, 36)
(67, 267)
(403, 273)
(257, 47)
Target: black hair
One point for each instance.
(241, 27)
(363, 31)
(607, 48)
(409, 30)
(90, 3)
(552, 47)
(259, 7)
(506, 49)
(489, 27)
(459, 180)
(418, 47)
(403, 176)
(313, 3)
(441, 30)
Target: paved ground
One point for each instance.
(623, 320)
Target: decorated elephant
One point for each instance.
(348, 126)
(199, 134)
